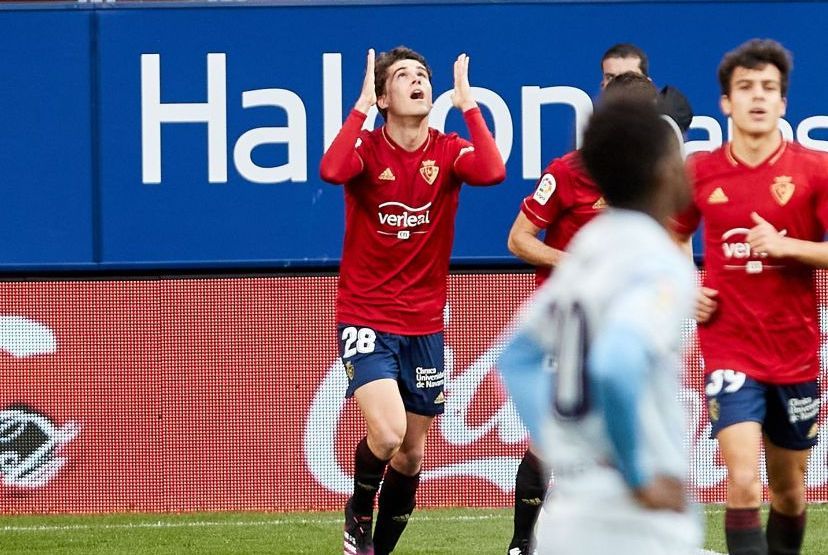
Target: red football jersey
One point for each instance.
(400, 208)
(565, 199)
(766, 324)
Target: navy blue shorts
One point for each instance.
(788, 413)
(414, 361)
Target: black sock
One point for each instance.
(396, 503)
(743, 532)
(785, 533)
(368, 471)
(531, 483)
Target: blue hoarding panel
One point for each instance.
(45, 144)
(212, 119)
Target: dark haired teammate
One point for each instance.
(402, 184)
(764, 204)
(604, 408)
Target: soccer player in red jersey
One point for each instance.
(402, 183)
(564, 200)
(764, 204)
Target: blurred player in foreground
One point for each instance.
(594, 365)
(564, 200)
(402, 185)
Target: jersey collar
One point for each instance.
(394, 146)
(772, 159)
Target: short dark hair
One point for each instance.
(385, 60)
(631, 84)
(756, 54)
(628, 50)
(623, 145)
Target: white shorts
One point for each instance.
(595, 514)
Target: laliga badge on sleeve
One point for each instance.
(546, 187)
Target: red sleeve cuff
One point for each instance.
(532, 216)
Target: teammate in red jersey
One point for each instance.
(402, 183)
(564, 200)
(764, 204)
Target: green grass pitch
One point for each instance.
(434, 531)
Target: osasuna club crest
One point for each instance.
(782, 189)
(429, 171)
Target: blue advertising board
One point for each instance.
(190, 136)
(46, 159)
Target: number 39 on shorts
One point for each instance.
(729, 380)
(358, 340)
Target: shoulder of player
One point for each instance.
(816, 159)
(370, 138)
(566, 167)
(705, 158)
(448, 143)
(707, 164)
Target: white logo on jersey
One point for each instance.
(546, 187)
(737, 249)
(408, 217)
(742, 252)
(740, 249)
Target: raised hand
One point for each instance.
(461, 96)
(368, 94)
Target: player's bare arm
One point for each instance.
(765, 239)
(368, 95)
(461, 96)
(524, 243)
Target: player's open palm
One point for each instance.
(368, 95)
(461, 96)
(662, 493)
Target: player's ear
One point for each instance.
(784, 107)
(724, 104)
(382, 102)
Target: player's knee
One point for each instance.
(743, 485)
(385, 443)
(409, 461)
(789, 499)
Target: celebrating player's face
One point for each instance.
(407, 89)
(755, 102)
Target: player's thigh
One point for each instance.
(422, 374)
(382, 408)
(737, 407)
(790, 432)
(786, 468)
(410, 456)
(739, 445)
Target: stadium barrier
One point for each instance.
(227, 394)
